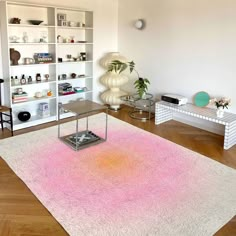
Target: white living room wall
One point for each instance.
(105, 29)
(187, 46)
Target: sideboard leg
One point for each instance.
(230, 135)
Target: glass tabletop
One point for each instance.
(147, 96)
(136, 97)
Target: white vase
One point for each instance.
(220, 112)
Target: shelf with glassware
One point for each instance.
(31, 35)
(35, 49)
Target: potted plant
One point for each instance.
(141, 84)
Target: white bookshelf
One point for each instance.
(75, 37)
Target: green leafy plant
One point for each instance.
(119, 66)
(141, 84)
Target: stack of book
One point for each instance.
(16, 97)
(65, 89)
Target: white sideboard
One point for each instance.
(165, 111)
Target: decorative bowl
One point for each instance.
(24, 116)
(35, 22)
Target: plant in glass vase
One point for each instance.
(220, 104)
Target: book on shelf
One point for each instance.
(16, 100)
(17, 95)
(66, 92)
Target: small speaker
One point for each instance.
(24, 116)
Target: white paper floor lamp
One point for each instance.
(113, 80)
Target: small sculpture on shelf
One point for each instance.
(73, 75)
(14, 56)
(23, 80)
(59, 39)
(38, 94)
(38, 77)
(15, 20)
(25, 37)
(44, 37)
(83, 56)
(72, 39)
(49, 93)
(14, 39)
(30, 80)
(16, 80)
(68, 56)
(46, 77)
(28, 60)
(19, 91)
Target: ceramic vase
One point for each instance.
(220, 112)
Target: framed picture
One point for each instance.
(61, 16)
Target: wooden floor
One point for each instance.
(21, 214)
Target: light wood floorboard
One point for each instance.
(21, 213)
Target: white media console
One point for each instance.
(165, 111)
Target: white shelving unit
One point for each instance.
(65, 40)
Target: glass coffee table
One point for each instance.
(141, 106)
(85, 138)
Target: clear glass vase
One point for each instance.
(220, 112)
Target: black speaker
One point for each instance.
(24, 116)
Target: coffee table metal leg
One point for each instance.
(58, 127)
(77, 130)
(87, 124)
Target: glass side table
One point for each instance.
(85, 138)
(141, 106)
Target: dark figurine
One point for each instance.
(14, 56)
(15, 20)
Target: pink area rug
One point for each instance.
(134, 184)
